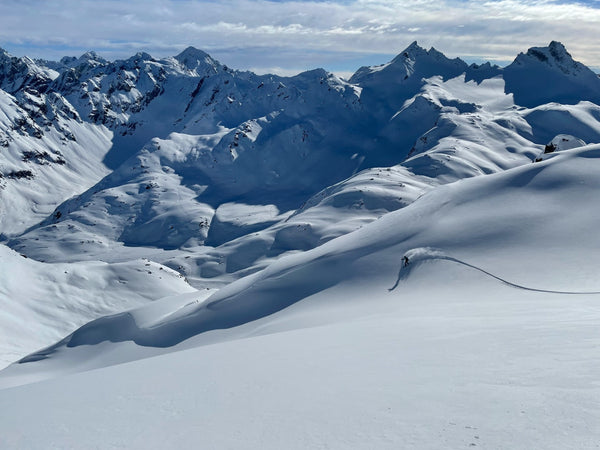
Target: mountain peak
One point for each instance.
(556, 46)
(89, 58)
(192, 52)
(92, 57)
(413, 51)
(411, 65)
(555, 55)
(140, 57)
(89, 55)
(560, 53)
(192, 58)
(414, 46)
(550, 74)
(16, 72)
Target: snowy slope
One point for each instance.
(218, 174)
(48, 155)
(485, 339)
(40, 302)
(454, 218)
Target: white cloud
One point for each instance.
(297, 34)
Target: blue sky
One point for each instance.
(289, 36)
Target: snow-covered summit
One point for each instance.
(89, 58)
(413, 62)
(196, 60)
(23, 73)
(555, 55)
(549, 74)
(386, 88)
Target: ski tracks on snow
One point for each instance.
(421, 255)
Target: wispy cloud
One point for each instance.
(297, 35)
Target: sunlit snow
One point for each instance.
(194, 256)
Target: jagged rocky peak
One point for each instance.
(89, 59)
(558, 50)
(414, 59)
(193, 59)
(139, 58)
(555, 55)
(68, 60)
(16, 73)
(92, 57)
(485, 66)
(410, 53)
(414, 50)
(4, 54)
(6, 59)
(479, 72)
(549, 74)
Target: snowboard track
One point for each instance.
(489, 274)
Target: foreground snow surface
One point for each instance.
(352, 350)
(501, 371)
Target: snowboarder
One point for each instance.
(405, 261)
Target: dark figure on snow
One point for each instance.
(405, 261)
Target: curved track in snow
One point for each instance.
(509, 283)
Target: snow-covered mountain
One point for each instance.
(487, 337)
(151, 206)
(549, 74)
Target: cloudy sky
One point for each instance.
(289, 36)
